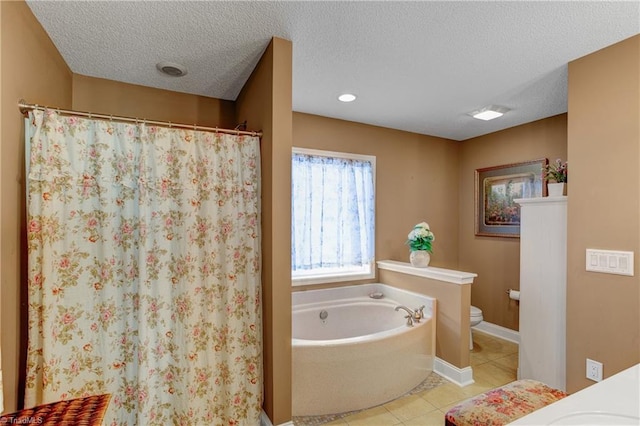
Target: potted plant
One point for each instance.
(558, 173)
(419, 242)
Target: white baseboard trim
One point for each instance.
(498, 331)
(266, 421)
(459, 376)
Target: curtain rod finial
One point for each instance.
(22, 105)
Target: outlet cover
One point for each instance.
(594, 370)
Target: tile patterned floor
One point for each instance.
(494, 362)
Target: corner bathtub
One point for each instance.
(361, 353)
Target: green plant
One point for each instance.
(420, 237)
(557, 171)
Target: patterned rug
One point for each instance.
(433, 380)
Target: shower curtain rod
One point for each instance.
(25, 108)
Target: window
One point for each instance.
(332, 216)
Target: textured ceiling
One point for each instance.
(415, 66)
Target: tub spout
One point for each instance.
(408, 317)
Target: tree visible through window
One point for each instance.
(333, 200)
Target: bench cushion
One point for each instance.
(504, 404)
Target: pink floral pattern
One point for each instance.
(144, 271)
(503, 405)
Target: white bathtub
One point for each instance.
(363, 353)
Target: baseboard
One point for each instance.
(266, 421)
(459, 376)
(498, 331)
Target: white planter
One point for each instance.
(420, 258)
(556, 189)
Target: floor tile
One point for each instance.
(478, 358)
(477, 388)
(489, 347)
(374, 416)
(434, 418)
(493, 374)
(444, 395)
(339, 422)
(510, 362)
(409, 407)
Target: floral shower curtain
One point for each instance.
(144, 271)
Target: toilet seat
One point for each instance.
(475, 312)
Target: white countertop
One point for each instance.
(613, 401)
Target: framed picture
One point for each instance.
(497, 215)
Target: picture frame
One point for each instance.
(496, 214)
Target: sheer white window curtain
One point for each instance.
(332, 213)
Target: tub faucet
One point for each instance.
(408, 317)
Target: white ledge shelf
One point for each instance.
(541, 200)
(440, 274)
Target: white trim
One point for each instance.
(499, 331)
(542, 200)
(336, 154)
(459, 376)
(366, 272)
(447, 275)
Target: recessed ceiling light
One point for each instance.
(489, 113)
(347, 97)
(171, 69)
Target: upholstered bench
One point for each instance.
(87, 411)
(503, 405)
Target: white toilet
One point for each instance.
(476, 318)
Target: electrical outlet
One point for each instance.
(594, 370)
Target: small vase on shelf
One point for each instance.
(419, 258)
(556, 189)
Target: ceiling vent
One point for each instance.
(171, 69)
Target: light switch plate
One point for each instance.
(610, 262)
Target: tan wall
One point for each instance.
(31, 69)
(265, 102)
(497, 260)
(603, 311)
(112, 97)
(452, 319)
(416, 180)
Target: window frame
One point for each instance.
(343, 274)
